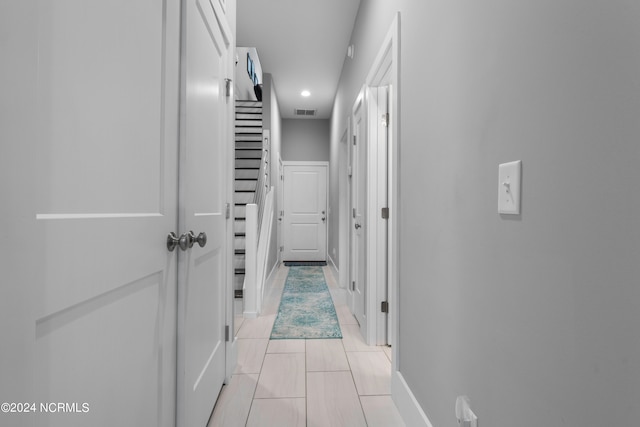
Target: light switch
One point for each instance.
(509, 187)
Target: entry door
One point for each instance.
(305, 212)
(358, 216)
(204, 178)
(89, 186)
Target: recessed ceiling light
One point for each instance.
(305, 93)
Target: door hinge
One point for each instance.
(226, 333)
(354, 140)
(385, 120)
(353, 286)
(227, 84)
(384, 306)
(281, 248)
(354, 212)
(385, 213)
(227, 212)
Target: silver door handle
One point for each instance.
(201, 239)
(184, 241)
(357, 226)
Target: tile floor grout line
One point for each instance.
(306, 387)
(364, 415)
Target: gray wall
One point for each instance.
(534, 317)
(305, 140)
(272, 121)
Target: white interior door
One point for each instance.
(305, 212)
(378, 200)
(89, 185)
(204, 178)
(358, 216)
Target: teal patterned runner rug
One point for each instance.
(306, 308)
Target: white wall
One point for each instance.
(243, 85)
(534, 317)
(305, 139)
(272, 120)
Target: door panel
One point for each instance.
(204, 178)
(99, 148)
(305, 219)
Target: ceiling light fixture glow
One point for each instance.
(305, 93)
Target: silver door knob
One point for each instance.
(357, 226)
(184, 241)
(201, 239)
(172, 241)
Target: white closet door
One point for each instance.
(206, 156)
(89, 155)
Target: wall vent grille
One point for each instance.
(303, 112)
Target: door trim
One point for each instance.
(344, 203)
(286, 163)
(280, 207)
(377, 199)
(385, 71)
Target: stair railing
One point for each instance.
(264, 178)
(259, 222)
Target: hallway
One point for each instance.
(306, 382)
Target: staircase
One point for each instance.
(248, 140)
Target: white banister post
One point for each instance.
(250, 292)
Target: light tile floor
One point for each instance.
(306, 383)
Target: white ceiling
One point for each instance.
(302, 44)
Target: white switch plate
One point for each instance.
(509, 187)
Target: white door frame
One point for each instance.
(359, 279)
(377, 199)
(385, 71)
(284, 196)
(344, 231)
(232, 343)
(280, 207)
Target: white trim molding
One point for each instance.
(407, 404)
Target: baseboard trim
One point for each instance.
(406, 402)
(250, 315)
(334, 270)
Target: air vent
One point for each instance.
(305, 113)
